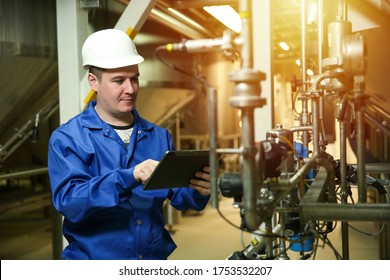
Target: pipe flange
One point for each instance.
(247, 75)
(247, 101)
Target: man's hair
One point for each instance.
(98, 72)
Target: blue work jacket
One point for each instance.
(107, 214)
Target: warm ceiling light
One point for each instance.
(284, 46)
(227, 15)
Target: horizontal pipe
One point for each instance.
(345, 212)
(24, 173)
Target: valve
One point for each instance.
(295, 83)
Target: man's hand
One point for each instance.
(143, 170)
(201, 182)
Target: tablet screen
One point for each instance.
(177, 168)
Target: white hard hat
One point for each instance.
(108, 49)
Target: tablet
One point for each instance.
(176, 169)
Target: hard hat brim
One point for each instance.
(115, 64)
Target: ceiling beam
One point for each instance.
(181, 4)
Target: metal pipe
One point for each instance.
(245, 7)
(320, 32)
(376, 167)
(378, 212)
(326, 75)
(343, 185)
(303, 43)
(269, 241)
(301, 128)
(24, 173)
(316, 125)
(361, 149)
(246, 97)
(230, 151)
(301, 173)
(213, 130)
(252, 218)
(377, 124)
(343, 11)
(331, 177)
(305, 136)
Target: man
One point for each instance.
(99, 160)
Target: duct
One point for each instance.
(160, 105)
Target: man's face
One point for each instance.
(117, 91)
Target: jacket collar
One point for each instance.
(91, 120)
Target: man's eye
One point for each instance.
(135, 80)
(119, 81)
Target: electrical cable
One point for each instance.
(381, 191)
(367, 233)
(325, 239)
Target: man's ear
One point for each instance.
(93, 81)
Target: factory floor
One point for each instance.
(199, 236)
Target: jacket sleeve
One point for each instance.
(76, 192)
(188, 198)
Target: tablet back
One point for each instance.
(176, 169)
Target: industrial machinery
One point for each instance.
(290, 190)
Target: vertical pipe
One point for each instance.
(305, 136)
(303, 42)
(213, 130)
(361, 160)
(343, 11)
(316, 126)
(246, 34)
(248, 173)
(269, 245)
(246, 91)
(320, 33)
(249, 168)
(384, 241)
(343, 184)
(282, 255)
(343, 160)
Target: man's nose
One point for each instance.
(129, 86)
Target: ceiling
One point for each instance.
(285, 20)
